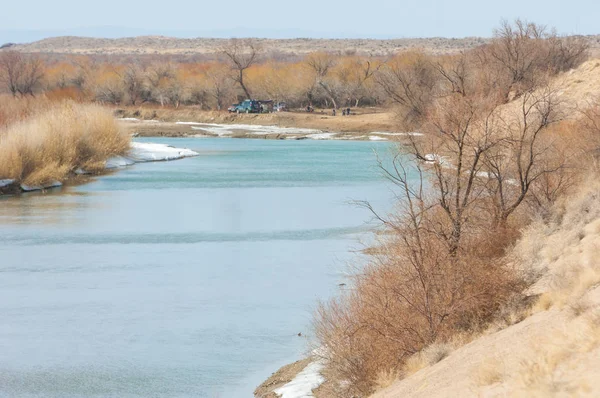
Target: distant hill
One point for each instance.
(180, 46)
(152, 45)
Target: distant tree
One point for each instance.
(241, 54)
(21, 74)
(219, 85)
(411, 81)
(322, 64)
(134, 84)
(161, 77)
(524, 54)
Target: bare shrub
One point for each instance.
(416, 291)
(411, 82)
(21, 74)
(523, 54)
(427, 357)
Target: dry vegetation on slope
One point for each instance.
(500, 151)
(554, 348)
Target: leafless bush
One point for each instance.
(21, 74)
(411, 82)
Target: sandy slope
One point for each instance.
(555, 351)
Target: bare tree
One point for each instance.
(412, 84)
(519, 49)
(455, 73)
(161, 77)
(321, 64)
(521, 159)
(21, 74)
(354, 76)
(134, 82)
(219, 85)
(568, 52)
(242, 54)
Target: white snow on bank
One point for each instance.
(150, 152)
(228, 130)
(5, 182)
(29, 188)
(303, 384)
(135, 119)
(321, 136)
(139, 152)
(225, 130)
(118, 161)
(441, 160)
(398, 134)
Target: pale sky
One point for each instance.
(23, 19)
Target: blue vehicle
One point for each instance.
(248, 106)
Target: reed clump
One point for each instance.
(49, 141)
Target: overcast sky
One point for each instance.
(285, 18)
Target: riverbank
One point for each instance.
(139, 152)
(364, 124)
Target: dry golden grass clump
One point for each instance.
(53, 140)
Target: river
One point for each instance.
(184, 278)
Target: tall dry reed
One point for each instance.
(53, 140)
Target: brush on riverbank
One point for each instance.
(53, 142)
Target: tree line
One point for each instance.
(513, 61)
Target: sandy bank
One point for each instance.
(296, 380)
(282, 125)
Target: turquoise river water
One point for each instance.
(189, 278)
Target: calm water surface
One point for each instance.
(180, 279)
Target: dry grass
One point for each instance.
(565, 247)
(427, 357)
(386, 378)
(490, 372)
(551, 369)
(53, 140)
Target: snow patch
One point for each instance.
(188, 123)
(321, 136)
(304, 382)
(29, 188)
(435, 158)
(118, 161)
(377, 138)
(229, 129)
(148, 152)
(6, 182)
(398, 134)
(128, 119)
